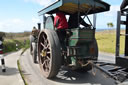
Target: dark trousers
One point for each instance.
(62, 37)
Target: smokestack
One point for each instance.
(39, 26)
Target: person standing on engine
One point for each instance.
(61, 24)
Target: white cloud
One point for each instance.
(113, 10)
(11, 25)
(18, 25)
(15, 25)
(42, 2)
(17, 21)
(35, 20)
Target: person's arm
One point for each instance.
(56, 22)
(124, 4)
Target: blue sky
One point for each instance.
(21, 15)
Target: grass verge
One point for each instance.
(107, 41)
(20, 70)
(26, 46)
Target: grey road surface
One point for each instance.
(65, 76)
(12, 75)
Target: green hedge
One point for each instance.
(10, 45)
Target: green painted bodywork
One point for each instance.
(81, 36)
(80, 41)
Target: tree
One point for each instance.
(110, 24)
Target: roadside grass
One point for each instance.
(107, 41)
(20, 70)
(26, 46)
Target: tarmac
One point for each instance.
(12, 75)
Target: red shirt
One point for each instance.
(62, 22)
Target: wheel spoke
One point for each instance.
(40, 54)
(48, 58)
(41, 65)
(48, 46)
(45, 46)
(44, 37)
(46, 42)
(41, 59)
(42, 44)
(48, 52)
(45, 65)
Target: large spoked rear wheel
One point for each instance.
(49, 53)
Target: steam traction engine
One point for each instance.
(81, 46)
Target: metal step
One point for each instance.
(123, 22)
(118, 73)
